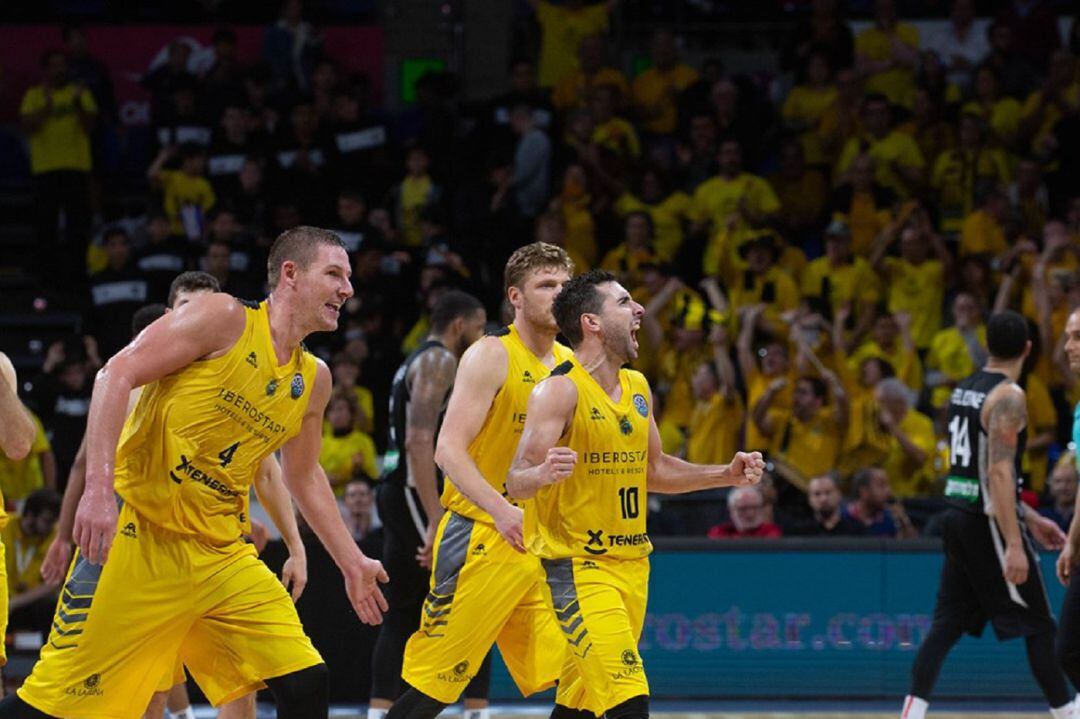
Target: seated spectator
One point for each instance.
(27, 536)
(345, 448)
(829, 516)
(627, 258)
(909, 463)
(746, 507)
(712, 435)
(958, 172)
(60, 396)
(957, 351)
(232, 144)
(656, 91)
(802, 192)
(302, 169)
(363, 152)
(352, 225)
(887, 53)
(21, 477)
(804, 441)
(666, 208)
(186, 121)
(1000, 112)
(186, 194)
(806, 104)
(610, 131)
(1063, 482)
(346, 371)
(115, 294)
(575, 87)
(415, 192)
(162, 256)
(361, 517)
(874, 507)
(217, 261)
(898, 162)
(863, 205)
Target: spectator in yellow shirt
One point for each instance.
(187, 195)
(563, 26)
(574, 202)
(551, 228)
(982, 232)
(838, 278)
(802, 192)
(762, 363)
(681, 348)
(909, 462)
(958, 172)
(610, 131)
(413, 194)
(1058, 97)
(842, 120)
(20, 477)
(573, 88)
(1029, 197)
(887, 53)
(344, 447)
(656, 91)
(807, 103)
(863, 205)
(57, 116)
(898, 162)
(27, 536)
(1041, 429)
(890, 339)
(716, 423)
(957, 351)
(667, 210)
(346, 371)
(930, 126)
(762, 282)
(627, 259)
(1000, 112)
(733, 200)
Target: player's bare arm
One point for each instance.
(205, 327)
(671, 475)
(274, 497)
(1005, 416)
(538, 461)
(17, 430)
(431, 377)
(480, 374)
(308, 485)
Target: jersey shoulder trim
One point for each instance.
(562, 369)
(500, 332)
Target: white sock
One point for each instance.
(373, 713)
(183, 714)
(484, 713)
(1065, 711)
(914, 708)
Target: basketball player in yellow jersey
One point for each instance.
(16, 436)
(484, 588)
(589, 453)
(228, 385)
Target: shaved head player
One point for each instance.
(228, 384)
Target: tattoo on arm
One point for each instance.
(1008, 417)
(433, 377)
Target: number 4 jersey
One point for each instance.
(191, 447)
(600, 509)
(969, 472)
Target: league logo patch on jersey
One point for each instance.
(641, 405)
(297, 387)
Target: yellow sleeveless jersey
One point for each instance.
(190, 448)
(493, 448)
(600, 509)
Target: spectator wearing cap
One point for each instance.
(759, 280)
(746, 508)
(656, 91)
(839, 279)
(898, 163)
(805, 440)
(667, 209)
(887, 53)
(626, 259)
(576, 85)
(730, 204)
(914, 281)
(57, 116)
(830, 518)
(909, 463)
(863, 205)
(187, 195)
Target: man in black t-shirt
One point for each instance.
(830, 519)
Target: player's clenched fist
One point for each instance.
(746, 468)
(558, 464)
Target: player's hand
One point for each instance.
(362, 585)
(558, 465)
(425, 552)
(57, 560)
(746, 468)
(510, 526)
(294, 575)
(1066, 561)
(1016, 564)
(1046, 532)
(95, 525)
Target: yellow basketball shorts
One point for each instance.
(482, 592)
(600, 606)
(119, 629)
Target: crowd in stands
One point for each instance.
(817, 253)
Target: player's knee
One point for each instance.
(563, 712)
(633, 708)
(307, 686)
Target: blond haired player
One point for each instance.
(484, 588)
(229, 383)
(589, 453)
